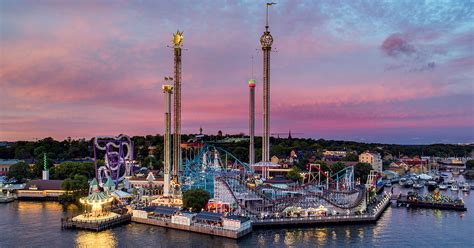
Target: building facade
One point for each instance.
(5, 165)
(372, 158)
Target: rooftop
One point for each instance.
(9, 161)
(242, 219)
(45, 184)
(209, 216)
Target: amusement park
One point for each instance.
(241, 194)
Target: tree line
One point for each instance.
(69, 149)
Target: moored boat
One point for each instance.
(466, 187)
(431, 185)
(402, 181)
(443, 186)
(409, 183)
(6, 198)
(454, 187)
(436, 201)
(418, 185)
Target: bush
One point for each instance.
(470, 164)
(362, 170)
(20, 171)
(195, 199)
(295, 175)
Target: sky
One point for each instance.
(369, 71)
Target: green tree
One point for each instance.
(76, 188)
(70, 169)
(338, 166)
(152, 163)
(295, 175)
(195, 199)
(351, 157)
(19, 171)
(362, 170)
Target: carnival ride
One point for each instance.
(210, 161)
(233, 182)
(118, 158)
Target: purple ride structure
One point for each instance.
(118, 158)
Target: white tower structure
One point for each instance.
(167, 90)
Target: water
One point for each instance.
(37, 224)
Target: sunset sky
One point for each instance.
(395, 72)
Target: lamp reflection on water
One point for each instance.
(321, 236)
(96, 239)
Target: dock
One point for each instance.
(374, 214)
(196, 227)
(403, 200)
(69, 223)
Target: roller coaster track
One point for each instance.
(281, 203)
(229, 188)
(244, 185)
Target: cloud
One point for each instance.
(396, 45)
(428, 67)
(84, 69)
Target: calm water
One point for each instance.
(37, 224)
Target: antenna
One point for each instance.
(252, 68)
(266, 22)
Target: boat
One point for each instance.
(454, 187)
(443, 186)
(395, 180)
(466, 187)
(388, 184)
(431, 185)
(409, 183)
(418, 185)
(452, 181)
(455, 173)
(414, 200)
(6, 198)
(402, 181)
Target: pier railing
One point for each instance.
(97, 225)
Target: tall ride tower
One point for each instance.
(252, 83)
(266, 40)
(177, 43)
(167, 90)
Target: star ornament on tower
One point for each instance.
(178, 39)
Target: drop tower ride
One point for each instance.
(177, 44)
(266, 40)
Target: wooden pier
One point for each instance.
(197, 228)
(403, 200)
(69, 223)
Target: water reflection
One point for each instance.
(96, 239)
(321, 236)
(289, 238)
(39, 224)
(276, 239)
